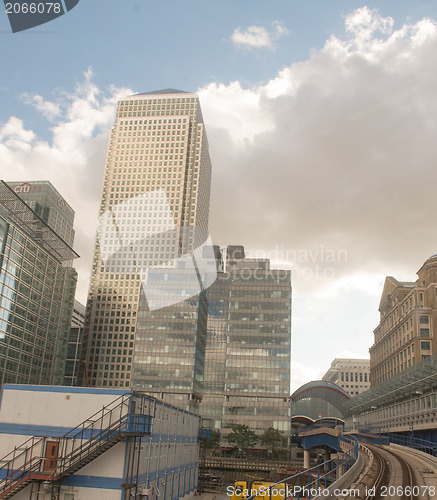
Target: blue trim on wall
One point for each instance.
(38, 430)
(66, 389)
(58, 431)
(107, 483)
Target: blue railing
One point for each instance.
(314, 481)
(412, 442)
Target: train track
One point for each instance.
(389, 477)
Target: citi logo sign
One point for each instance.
(139, 237)
(26, 14)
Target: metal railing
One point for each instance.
(310, 483)
(412, 442)
(32, 461)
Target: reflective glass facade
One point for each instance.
(169, 351)
(74, 345)
(319, 399)
(248, 348)
(158, 144)
(49, 205)
(36, 296)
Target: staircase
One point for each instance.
(54, 459)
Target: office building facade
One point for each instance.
(158, 155)
(74, 345)
(352, 375)
(37, 286)
(405, 334)
(49, 205)
(248, 346)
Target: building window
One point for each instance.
(424, 320)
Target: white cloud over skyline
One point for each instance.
(335, 153)
(258, 36)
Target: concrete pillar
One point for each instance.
(326, 455)
(306, 459)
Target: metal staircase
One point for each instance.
(47, 459)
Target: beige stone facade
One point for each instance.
(352, 375)
(405, 334)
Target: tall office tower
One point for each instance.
(74, 345)
(352, 375)
(157, 168)
(48, 204)
(405, 335)
(248, 346)
(37, 286)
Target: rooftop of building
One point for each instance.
(22, 188)
(27, 220)
(164, 92)
(349, 361)
(315, 385)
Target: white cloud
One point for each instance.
(340, 153)
(50, 110)
(258, 36)
(73, 160)
(336, 152)
(303, 373)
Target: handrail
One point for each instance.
(304, 483)
(89, 419)
(413, 442)
(18, 448)
(107, 434)
(85, 441)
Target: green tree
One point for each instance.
(272, 439)
(242, 438)
(213, 441)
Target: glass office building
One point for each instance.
(37, 286)
(248, 346)
(74, 345)
(169, 353)
(157, 154)
(49, 205)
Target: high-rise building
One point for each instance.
(157, 156)
(48, 204)
(405, 335)
(352, 375)
(37, 286)
(74, 345)
(248, 346)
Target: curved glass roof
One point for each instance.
(319, 399)
(416, 379)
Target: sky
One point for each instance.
(321, 119)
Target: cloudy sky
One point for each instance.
(321, 120)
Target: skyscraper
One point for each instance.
(158, 161)
(48, 204)
(248, 346)
(72, 361)
(37, 283)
